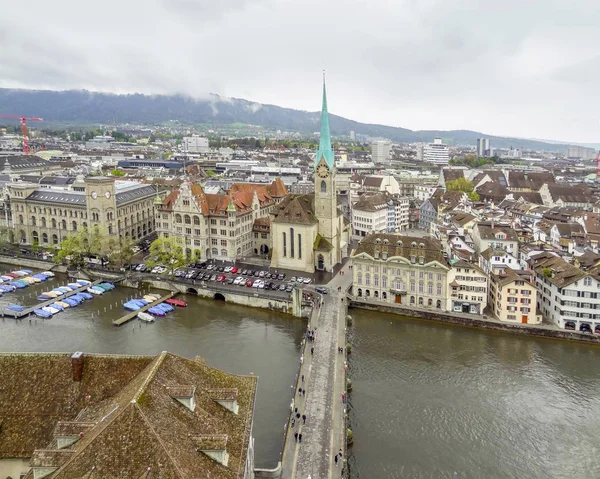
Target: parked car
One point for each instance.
(245, 272)
(256, 283)
(237, 280)
(142, 268)
(289, 288)
(261, 274)
(282, 287)
(321, 290)
(229, 281)
(227, 269)
(196, 274)
(281, 277)
(213, 277)
(221, 278)
(234, 270)
(210, 266)
(249, 283)
(307, 281)
(293, 279)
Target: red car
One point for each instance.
(249, 283)
(234, 270)
(221, 278)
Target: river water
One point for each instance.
(236, 339)
(437, 401)
(428, 400)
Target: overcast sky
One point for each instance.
(525, 68)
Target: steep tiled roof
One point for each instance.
(37, 391)
(368, 202)
(262, 225)
(486, 231)
(508, 276)
(278, 189)
(373, 181)
(401, 245)
(296, 209)
(529, 180)
(566, 230)
(529, 196)
(461, 218)
(144, 427)
(562, 273)
(492, 191)
(570, 194)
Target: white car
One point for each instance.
(256, 284)
(261, 285)
(155, 270)
(307, 280)
(228, 269)
(162, 269)
(237, 280)
(136, 249)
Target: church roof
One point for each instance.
(296, 209)
(325, 151)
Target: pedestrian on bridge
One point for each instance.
(336, 460)
(303, 378)
(296, 436)
(300, 437)
(304, 420)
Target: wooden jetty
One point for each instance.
(133, 314)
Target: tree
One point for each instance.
(167, 252)
(464, 185)
(116, 172)
(72, 251)
(126, 253)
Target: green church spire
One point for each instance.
(325, 150)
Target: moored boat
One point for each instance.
(148, 318)
(40, 313)
(176, 302)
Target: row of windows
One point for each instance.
(292, 250)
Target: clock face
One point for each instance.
(94, 195)
(322, 171)
(107, 194)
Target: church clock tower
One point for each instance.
(324, 173)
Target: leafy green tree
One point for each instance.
(126, 253)
(464, 185)
(116, 172)
(167, 252)
(72, 251)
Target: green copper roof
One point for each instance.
(158, 200)
(231, 206)
(325, 150)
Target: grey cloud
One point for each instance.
(508, 67)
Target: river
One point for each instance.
(438, 401)
(236, 339)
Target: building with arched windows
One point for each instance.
(309, 232)
(45, 217)
(220, 226)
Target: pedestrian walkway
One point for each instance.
(323, 435)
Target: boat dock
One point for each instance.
(133, 314)
(29, 310)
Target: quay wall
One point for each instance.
(23, 262)
(477, 322)
(251, 300)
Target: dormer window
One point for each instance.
(413, 245)
(225, 397)
(184, 395)
(399, 244)
(214, 446)
(421, 245)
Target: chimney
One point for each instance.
(77, 366)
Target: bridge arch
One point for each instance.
(219, 297)
(193, 291)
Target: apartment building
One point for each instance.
(380, 213)
(401, 269)
(468, 288)
(512, 297)
(220, 226)
(492, 235)
(566, 295)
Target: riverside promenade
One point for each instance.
(324, 433)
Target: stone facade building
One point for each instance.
(220, 226)
(46, 216)
(401, 269)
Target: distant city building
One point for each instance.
(99, 143)
(436, 152)
(483, 147)
(379, 213)
(195, 144)
(581, 152)
(381, 151)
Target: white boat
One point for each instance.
(50, 310)
(147, 318)
(94, 291)
(48, 273)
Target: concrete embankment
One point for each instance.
(23, 262)
(253, 300)
(546, 332)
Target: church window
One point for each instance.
(299, 246)
(284, 246)
(291, 242)
(323, 187)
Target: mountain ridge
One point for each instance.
(85, 107)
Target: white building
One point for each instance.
(581, 152)
(195, 144)
(381, 151)
(483, 147)
(379, 213)
(436, 152)
(567, 295)
(424, 191)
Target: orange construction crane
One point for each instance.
(24, 126)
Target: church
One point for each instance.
(309, 232)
